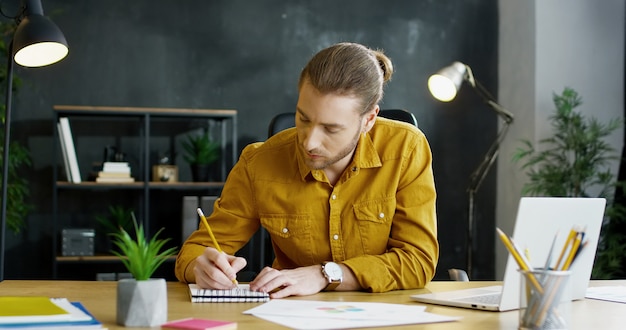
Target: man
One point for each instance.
(348, 198)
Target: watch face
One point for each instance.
(333, 270)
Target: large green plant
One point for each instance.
(142, 257)
(574, 162)
(17, 188)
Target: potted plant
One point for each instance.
(200, 153)
(141, 300)
(574, 162)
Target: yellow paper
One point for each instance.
(28, 306)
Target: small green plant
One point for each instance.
(574, 162)
(200, 149)
(141, 257)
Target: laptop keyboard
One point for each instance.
(491, 299)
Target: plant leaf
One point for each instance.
(142, 257)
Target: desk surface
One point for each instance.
(100, 299)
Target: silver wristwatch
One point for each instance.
(333, 274)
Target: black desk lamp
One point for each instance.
(37, 42)
(443, 86)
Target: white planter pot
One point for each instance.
(141, 303)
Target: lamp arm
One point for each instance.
(479, 174)
(506, 115)
(5, 157)
(476, 179)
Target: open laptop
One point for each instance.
(539, 220)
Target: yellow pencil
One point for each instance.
(206, 224)
(568, 241)
(520, 260)
(208, 228)
(572, 252)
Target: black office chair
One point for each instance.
(399, 114)
(280, 122)
(288, 119)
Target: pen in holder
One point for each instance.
(549, 307)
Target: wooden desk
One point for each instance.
(99, 298)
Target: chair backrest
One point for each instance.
(288, 119)
(281, 122)
(398, 114)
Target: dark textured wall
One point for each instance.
(247, 55)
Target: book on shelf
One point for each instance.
(240, 294)
(112, 167)
(193, 323)
(103, 174)
(115, 179)
(115, 165)
(189, 221)
(206, 203)
(111, 172)
(66, 162)
(70, 149)
(35, 313)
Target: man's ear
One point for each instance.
(370, 119)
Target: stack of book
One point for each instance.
(44, 313)
(113, 172)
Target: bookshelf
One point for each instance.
(142, 133)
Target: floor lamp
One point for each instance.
(37, 42)
(444, 85)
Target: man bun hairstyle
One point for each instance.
(349, 69)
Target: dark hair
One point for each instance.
(349, 69)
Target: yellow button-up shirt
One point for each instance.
(379, 219)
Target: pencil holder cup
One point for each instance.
(545, 299)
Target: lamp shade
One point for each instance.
(444, 84)
(38, 42)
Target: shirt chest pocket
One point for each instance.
(374, 219)
(291, 234)
(286, 225)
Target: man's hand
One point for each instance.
(217, 270)
(290, 282)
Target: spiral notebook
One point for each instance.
(240, 294)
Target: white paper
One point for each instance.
(307, 314)
(608, 293)
(76, 314)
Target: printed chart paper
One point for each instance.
(307, 314)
